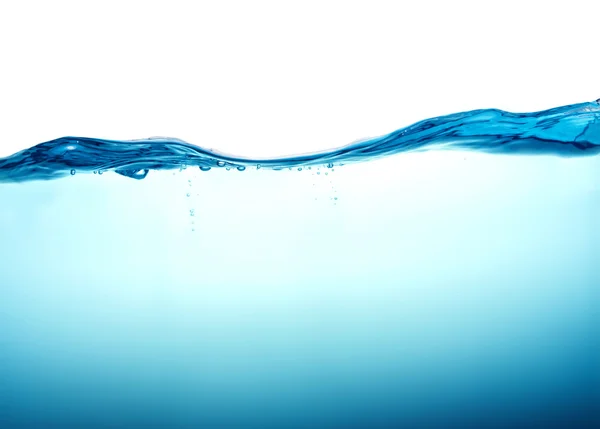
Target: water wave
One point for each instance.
(572, 130)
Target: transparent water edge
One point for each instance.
(572, 130)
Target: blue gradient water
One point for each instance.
(455, 288)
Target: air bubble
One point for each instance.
(258, 166)
(241, 168)
(330, 165)
(192, 212)
(299, 168)
(204, 168)
(227, 168)
(220, 163)
(73, 172)
(187, 195)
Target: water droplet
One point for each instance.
(73, 172)
(227, 168)
(220, 163)
(299, 168)
(204, 168)
(241, 168)
(95, 172)
(187, 195)
(258, 166)
(310, 168)
(192, 212)
(330, 165)
(100, 172)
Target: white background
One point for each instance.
(274, 78)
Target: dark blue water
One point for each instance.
(567, 131)
(432, 289)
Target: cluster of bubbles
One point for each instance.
(258, 167)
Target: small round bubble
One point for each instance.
(204, 168)
(221, 163)
(241, 168)
(330, 165)
(73, 172)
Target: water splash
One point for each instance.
(572, 130)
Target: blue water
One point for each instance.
(568, 131)
(430, 289)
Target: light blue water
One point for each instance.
(429, 289)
